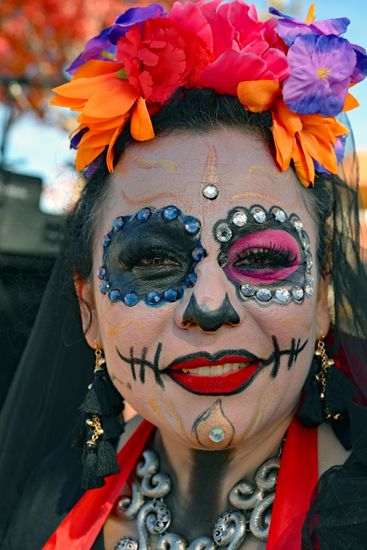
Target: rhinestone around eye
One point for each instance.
(118, 223)
(101, 273)
(153, 298)
(130, 299)
(282, 295)
(144, 214)
(296, 222)
(103, 287)
(223, 233)
(106, 241)
(259, 214)
(222, 260)
(114, 295)
(279, 214)
(170, 295)
(247, 290)
(305, 240)
(191, 280)
(210, 191)
(239, 218)
(309, 261)
(191, 225)
(263, 295)
(297, 293)
(198, 253)
(309, 290)
(170, 213)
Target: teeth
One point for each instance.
(215, 370)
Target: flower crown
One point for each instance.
(300, 71)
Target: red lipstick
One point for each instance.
(225, 384)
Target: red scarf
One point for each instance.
(297, 479)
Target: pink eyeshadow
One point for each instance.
(263, 239)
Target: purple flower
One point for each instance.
(321, 69)
(339, 149)
(104, 45)
(289, 28)
(360, 70)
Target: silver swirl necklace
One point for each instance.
(250, 507)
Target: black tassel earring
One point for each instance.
(323, 396)
(101, 424)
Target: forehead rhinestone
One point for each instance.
(297, 293)
(130, 299)
(296, 222)
(118, 223)
(259, 214)
(216, 435)
(223, 233)
(153, 298)
(247, 290)
(263, 295)
(170, 295)
(192, 225)
(282, 295)
(279, 214)
(239, 218)
(210, 191)
(309, 290)
(170, 213)
(144, 214)
(114, 295)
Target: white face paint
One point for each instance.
(140, 342)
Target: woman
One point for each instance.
(208, 278)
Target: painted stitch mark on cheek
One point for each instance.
(150, 256)
(266, 254)
(139, 364)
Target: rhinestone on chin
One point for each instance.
(216, 435)
(263, 295)
(223, 233)
(239, 218)
(259, 214)
(283, 295)
(210, 191)
(247, 290)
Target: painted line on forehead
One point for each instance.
(168, 165)
(148, 199)
(211, 169)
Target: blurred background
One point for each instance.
(38, 186)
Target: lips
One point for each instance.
(228, 383)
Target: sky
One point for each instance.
(42, 149)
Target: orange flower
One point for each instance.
(106, 102)
(303, 139)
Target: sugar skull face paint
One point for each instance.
(265, 254)
(150, 256)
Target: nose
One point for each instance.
(209, 307)
(207, 319)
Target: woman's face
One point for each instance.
(205, 309)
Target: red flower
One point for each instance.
(159, 57)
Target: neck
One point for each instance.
(203, 479)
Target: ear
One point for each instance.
(322, 309)
(88, 313)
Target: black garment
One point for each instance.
(51, 492)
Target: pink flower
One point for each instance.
(159, 57)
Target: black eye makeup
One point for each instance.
(266, 254)
(150, 256)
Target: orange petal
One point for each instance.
(310, 17)
(350, 103)
(93, 139)
(84, 88)
(287, 118)
(110, 150)
(283, 142)
(100, 124)
(111, 103)
(258, 95)
(85, 156)
(97, 67)
(141, 125)
(73, 104)
(303, 165)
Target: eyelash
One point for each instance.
(152, 258)
(261, 258)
